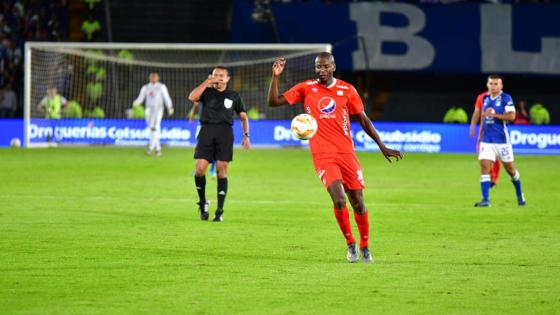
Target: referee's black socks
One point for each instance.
(222, 192)
(200, 183)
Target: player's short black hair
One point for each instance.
(222, 68)
(494, 77)
(326, 55)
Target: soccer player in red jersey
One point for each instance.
(332, 102)
(495, 171)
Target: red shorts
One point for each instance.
(342, 166)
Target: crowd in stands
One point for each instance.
(21, 21)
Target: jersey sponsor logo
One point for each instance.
(339, 93)
(327, 105)
(228, 103)
(488, 119)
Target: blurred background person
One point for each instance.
(8, 102)
(52, 104)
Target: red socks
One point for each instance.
(495, 172)
(363, 227)
(343, 219)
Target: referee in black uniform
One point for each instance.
(215, 139)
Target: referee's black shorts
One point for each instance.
(214, 143)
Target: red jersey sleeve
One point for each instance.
(478, 103)
(296, 94)
(355, 104)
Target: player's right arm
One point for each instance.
(476, 114)
(195, 94)
(474, 120)
(140, 99)
(274, 99)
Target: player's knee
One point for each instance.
(339, 202)
(222, 168)
(509, 168)
(359, 207)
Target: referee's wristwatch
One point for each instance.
(246, 134)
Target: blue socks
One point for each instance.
(485, 186)
(516, 180)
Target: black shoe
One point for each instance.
(203, 210)
(218, 215)
(366, 255)
(482, 203)
(352, 253)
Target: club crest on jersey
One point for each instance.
(228, 103)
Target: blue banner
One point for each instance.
(459, 38)
(407, 137)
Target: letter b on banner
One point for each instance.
(420, 53)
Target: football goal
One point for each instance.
(101, 80)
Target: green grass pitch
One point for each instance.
(111, 231)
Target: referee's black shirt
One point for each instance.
(218, 107)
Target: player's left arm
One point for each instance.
(509, 112)
(239, 108)
(245, 124)
(167, 100)
(140, 99)
(367, 125)
(508, 116)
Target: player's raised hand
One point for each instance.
(278, 66)
(390, 153)
(212, 80)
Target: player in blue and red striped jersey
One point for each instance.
(332, 102)
(497, 110)
(476, 118)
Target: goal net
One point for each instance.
(101, 80)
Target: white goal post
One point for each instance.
(101, 80)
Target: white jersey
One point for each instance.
(155, 94)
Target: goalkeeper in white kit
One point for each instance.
(154, 94)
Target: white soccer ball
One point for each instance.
(304, 126)
(15, 143)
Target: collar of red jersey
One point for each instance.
(330, 86)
